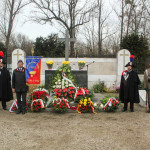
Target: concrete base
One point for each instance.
(142, 94)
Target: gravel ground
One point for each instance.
(72, 131)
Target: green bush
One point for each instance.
(98, 87)
(138, 46)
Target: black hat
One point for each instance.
(129, 64)
(20, 61)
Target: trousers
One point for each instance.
(21, 104)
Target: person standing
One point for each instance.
(19, 86)
(129, 86)
(147, 84)
(5, 83)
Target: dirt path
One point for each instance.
(72, 131)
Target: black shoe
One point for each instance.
(23, 112)
(4, 108)
(132, 110)
(124, 110)
(148, 111)
(18, 111)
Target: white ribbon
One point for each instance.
(109, 103)
(37, 101)
(14, 104)
(63, 75)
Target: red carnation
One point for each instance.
(60, 90)
(1, 54)
(69, 92)
(65, 94)
(53, 104)
(59, 106)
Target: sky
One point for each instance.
(30, 28)
(33, 30)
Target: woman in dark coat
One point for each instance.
(129, 88)
(5, 83)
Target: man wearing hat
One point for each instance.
(129, 86)
(19, 86)
(5, 83)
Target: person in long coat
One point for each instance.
(19, 86)
(129, 88)
(5, 83)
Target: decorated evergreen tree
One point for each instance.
(138, 46)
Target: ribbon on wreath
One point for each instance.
(14, 104)
(77, 91)
(64, 77)
(37, 100)
(109, 103)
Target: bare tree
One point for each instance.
(99, 29)
(21, 41)
(132, 16)
(11, 8)
(70, 14)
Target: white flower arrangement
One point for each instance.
(62, 84)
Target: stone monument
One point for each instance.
(18, 54)
(123, 57)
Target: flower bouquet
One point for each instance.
(60, 105)
(67, 93)
(37, 105)
(14, 106)
(81, 64)
(110, 103)
(62, 84)
(85, 105)
(82, 93)
(40, 94)
(58, 81)
(50, 64)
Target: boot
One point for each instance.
(124, 110)
(23, 112)
(131, 107)
(148, 110)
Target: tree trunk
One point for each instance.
(122, 21)
(99, 28)
(10, 26)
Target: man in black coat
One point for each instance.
(129, 88)
(5, 83)
(19, 86)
